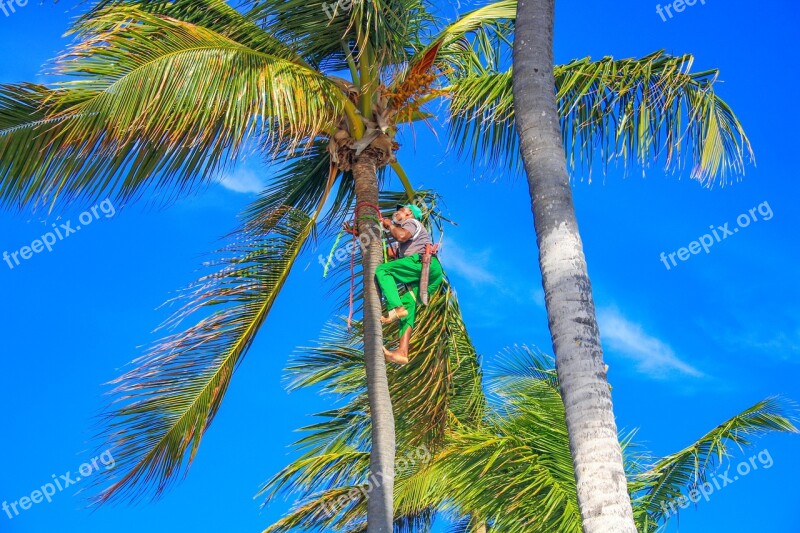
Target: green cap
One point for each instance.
(414, 209)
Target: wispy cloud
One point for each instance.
(474, 267)
(771, 340)
(652, 356)
(242, 180)
(486, 270)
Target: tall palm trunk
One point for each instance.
(380, 506)
(602, 489)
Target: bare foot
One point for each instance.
(395, 357)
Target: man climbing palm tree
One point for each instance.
(413, 241)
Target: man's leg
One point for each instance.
(385, 279)
(388, 275)
(411, 297)
(409, 300)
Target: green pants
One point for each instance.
(406, 270)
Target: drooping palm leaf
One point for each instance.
(319, 29)
(164, 406)
(304, 178)
(516, 468)
(27, 124)
(633, 110)
(215, 15)
(489, 20)
(482, 126)
(157, 97)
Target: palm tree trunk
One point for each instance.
(380, 506)
(602, 488)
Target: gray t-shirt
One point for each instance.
(415, 245)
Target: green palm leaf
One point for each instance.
(441, 385)
(632, 110)
(324, 30)
(679, 473)
(516, 469)
(215, 15)
(161, 97)
(29, 119)
(482, 111)
(304, 178)
(164, 405)
(479, 23)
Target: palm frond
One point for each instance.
(166, 403)
(440, 385)
(306, 176)
(315, 28)
(482, 119)
(215, 15)
(338, 466)
(389, 27)
(688, 469)
(497, 473)
(516, 469)
(323, 30)
(336, 509)
(442, 380)
(521, 369)
(28, 119)
(155, 96)
(638, 111)
(481, 29)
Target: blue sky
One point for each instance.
(687, 347)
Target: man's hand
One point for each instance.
(399, 234)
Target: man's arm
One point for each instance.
(399, 234)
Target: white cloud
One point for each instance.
(652, 356)
(474, 267)
(496, 283)
(242, 180)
